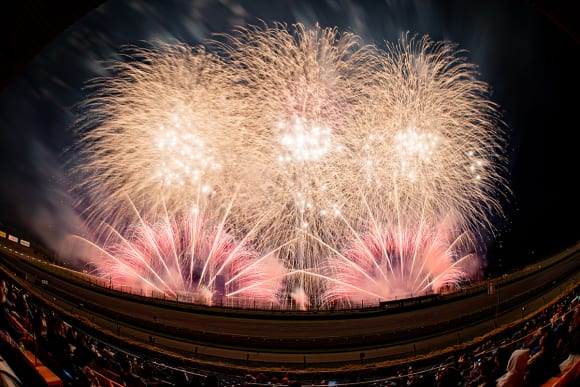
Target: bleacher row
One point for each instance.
(45, 350)
(28, 357)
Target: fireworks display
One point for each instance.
(186, 259)
(392, 263)
(287, 163)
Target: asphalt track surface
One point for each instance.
(298, 340)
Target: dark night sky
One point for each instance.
(526, 50)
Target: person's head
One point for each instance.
(502, 357)
(518, 361)
(548, 342)
(126, 365)
(261, 378)
(211, 380)
(575, 343)
(486, 367)
(449, 377)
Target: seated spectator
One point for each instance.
(571, 378)
(180, 379)
(449, 377)
(516, 369)
(249, 379)
(6, 341)
(500, 358)
(484, 378)
(211, 380)
(573, 350)
(261, 378)
(543, 365)
(4, 293)
(533, 341)
(575, 321)
(128, 377)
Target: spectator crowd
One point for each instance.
(543, 350)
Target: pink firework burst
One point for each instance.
(392, 262)
(188, 258)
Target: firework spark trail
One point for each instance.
(302, 90)
(444, 146)
(186, 257)
(342, 161)
(159, 130)
(377, 266)
(444, 170)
